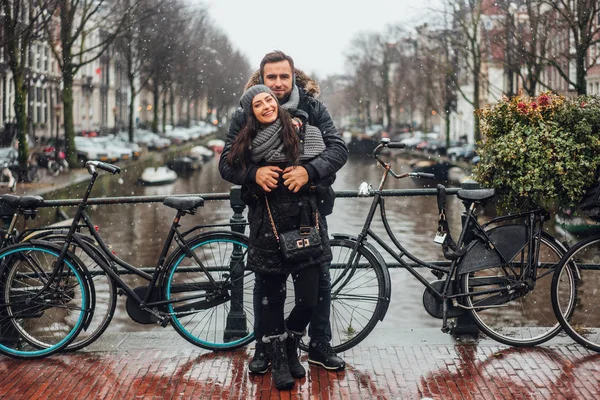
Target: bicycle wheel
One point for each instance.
(213, 311)
(35, 324)
(358, 295)
(105, 291)
(509, 314)
(583, 324)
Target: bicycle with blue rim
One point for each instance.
(201, 288)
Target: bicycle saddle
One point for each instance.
(183, 203)
(24, 202)
(476, 194)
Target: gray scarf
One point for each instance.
(268, 146)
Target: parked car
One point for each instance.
(136, 150)
(88, 150)
(116, 149)
(464, 152)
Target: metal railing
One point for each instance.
(464, 324)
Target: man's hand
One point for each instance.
(294, 178)
(267, 177)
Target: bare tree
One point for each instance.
(23, 23)
(363, 59)
(129, 45)
(527, 27)
(466, 19)
(579, 20)
(86, 30)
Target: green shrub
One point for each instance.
(543, 150)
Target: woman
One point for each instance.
(271, 145)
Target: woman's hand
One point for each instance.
(295, 177)
(267, 177)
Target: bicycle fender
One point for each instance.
(386, 273)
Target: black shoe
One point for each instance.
(322, 354)
(261, 361)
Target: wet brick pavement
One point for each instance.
(175, 370)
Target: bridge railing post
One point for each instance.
(236, 320)
(464, 324)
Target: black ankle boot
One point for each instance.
(280, 369)
(261, 361)
(291, 344)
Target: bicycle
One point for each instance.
(189, 288)
(583, 324)
(105, 299)
(492, 273)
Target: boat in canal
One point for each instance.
(158, 176)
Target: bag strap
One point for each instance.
(271, 220)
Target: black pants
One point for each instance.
(273, 287)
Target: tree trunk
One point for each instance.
(581, 73)
(172, 107)
(20, 97)
(67, 97)
(164, 112)
(476, 101)
(155, 108)
(21, 115)
(131, 106)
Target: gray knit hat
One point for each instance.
(246, 99)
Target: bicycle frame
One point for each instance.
(174, 234)
(470, 225)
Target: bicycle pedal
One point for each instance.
(165, 321)
(445, 329)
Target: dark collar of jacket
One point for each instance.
(303, 81)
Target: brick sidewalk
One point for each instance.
(393, 372)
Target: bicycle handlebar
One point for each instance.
(385, 142)
(92, 165)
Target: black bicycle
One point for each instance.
(105, 293)
(201, 287)
(500, 272)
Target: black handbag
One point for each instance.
(299, 244)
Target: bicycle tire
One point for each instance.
(25, 267)
(582, 325)
(105, 291)
(526, 320)
(357, 304)
(214, 328)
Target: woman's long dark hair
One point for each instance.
(240, 153)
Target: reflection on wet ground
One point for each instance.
(393, 372)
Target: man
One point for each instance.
(278, 73)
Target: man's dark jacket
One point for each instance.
(321, 170)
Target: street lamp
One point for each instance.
(57, 111)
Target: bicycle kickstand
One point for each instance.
(445, 328)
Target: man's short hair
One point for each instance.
(273, 57)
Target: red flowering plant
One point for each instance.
(543, 149)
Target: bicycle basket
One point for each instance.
(590, 203)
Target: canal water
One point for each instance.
(137, 231)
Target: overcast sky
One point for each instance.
(316, 33)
